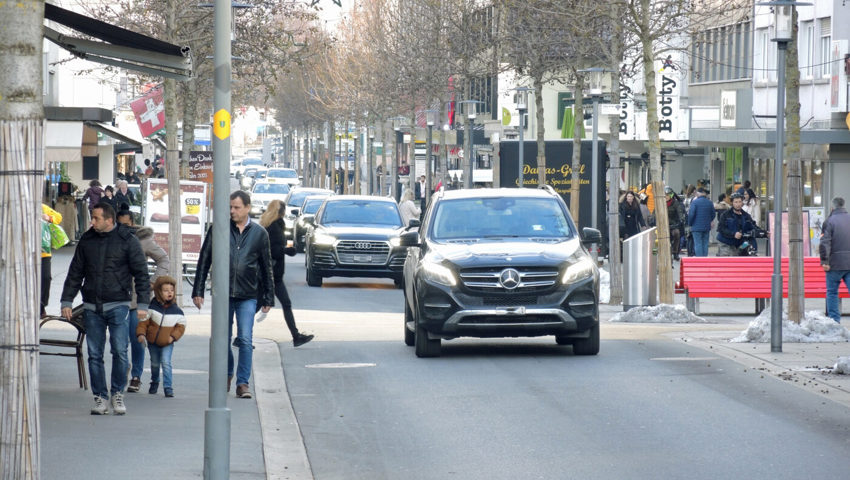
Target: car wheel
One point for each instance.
(563, 340)
(425, 347)
(313, 280)
(589, 345)
(408, 320)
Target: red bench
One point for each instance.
(744, 277)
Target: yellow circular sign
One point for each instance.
(221, 124)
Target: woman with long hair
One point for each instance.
(751, 205)
(408, 208)
(272, 221)
(631, 217)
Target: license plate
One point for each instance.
(363, 258)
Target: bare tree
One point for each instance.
(796, 294)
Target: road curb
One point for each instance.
(283, 447)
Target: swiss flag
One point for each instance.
(150, 112)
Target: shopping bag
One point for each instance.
(45, 237)
(58, 237)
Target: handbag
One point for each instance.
(58, 237)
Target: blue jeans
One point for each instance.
(833, 281)
(244, 310)
(137, 350)
(96, 325)
(700, 243)
(161, 356)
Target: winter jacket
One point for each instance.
(753, 209)
(93, 195)
(701, 214)
(104, 267)
(675, 214)
(120, 199)
(279, 250)
(409, 211)
(162, 322)
(730, 223)
(835, 240)
(152, 251)
(250, 264)
(631, 219)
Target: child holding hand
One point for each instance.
(163, 326)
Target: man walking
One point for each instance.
(835, 255)
(700, 215)
(732, 226)
(107, 262)
(250, 278)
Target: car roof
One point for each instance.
(496, 192)
(337, 198)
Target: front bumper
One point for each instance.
(330, 261)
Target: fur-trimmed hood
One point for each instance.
(144, 233)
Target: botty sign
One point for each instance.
(150, 112)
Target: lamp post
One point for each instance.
(522, 107)
(470, 112)
(399, 124)
(596, 77)
(430, 120)
(371, 157)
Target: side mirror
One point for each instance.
(590, 235)
(414, 222)
(409, 239)
(309, 219)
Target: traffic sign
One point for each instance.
(221, 124)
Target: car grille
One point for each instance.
(362, 252)
(510, 300)
(532, 279)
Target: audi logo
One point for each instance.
(362, 245)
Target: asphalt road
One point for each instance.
(527, 409)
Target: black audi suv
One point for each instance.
(354, 236)
(500, 263)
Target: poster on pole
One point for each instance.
(804, 226)
(192, 213)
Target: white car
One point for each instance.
(238, 167)
(283, 175)
(265, 192)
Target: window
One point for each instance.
(823, 58)
(807, 48)
(763, 50)
(721, 54)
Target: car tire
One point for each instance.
(589, 345)
(409, 337)
(313, 280)
(424, 346)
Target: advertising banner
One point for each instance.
(193, 211)
(201, 166)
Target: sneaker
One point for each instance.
(169, 392)
(301, 339)
(135, 385)
(153, 388)
(118, 407)
(229, 380)
(100, 407)
(242, 391)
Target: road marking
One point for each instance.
(683, 359)
(340, 365)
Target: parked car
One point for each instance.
(263, 193)
(500, 263)
(237, 168)
(355, 236)
(283, 175)
(248, 178)
(293, 205)
(308, 209)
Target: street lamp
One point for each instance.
(400, 123)
(783, 24)
(522, 107)
(430, 120)
(470, 108)
(596, 76)
(371, 160)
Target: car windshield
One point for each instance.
(312, 205)
(276, 188)
(252, 161)
(298, 196)
(500, 217)
(283, 174)
(361, 212)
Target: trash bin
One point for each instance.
(640, 270)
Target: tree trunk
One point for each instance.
(172, 162)
(190, 105)
(541, 131)
(575, 170)
(796, 296)
(615, 267)
(357, 159)
(332, 154)
(665, 262)
(22, 161)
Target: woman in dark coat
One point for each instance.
(631, 218)
(93, 194)
(272, 221)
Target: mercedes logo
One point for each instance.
(362, 245)
(509, 278)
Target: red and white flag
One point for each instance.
(150, 112)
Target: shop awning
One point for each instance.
(62, 141)
(113, 132)
(119, 47)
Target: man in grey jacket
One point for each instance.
(835, 255)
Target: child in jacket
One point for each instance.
(163, 326)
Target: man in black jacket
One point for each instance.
(106, 263)
(250, 279)
(835, 255)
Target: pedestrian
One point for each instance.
(751, 205)
(408, 208)
(148, 168)
(251, 277)
(700, 216)
(743, 188)
(731, 227)
(109, 197)
(48, 216)
(676, 218)
(93, 194)
(106, 263)
(721, 205)
(132, 178)
(648, 217)
(835, 255)
(272, 221)
(165, 325)
(160, 259)
(650, 197)
(124, 196)
(631, 217)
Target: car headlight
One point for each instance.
(395, 242)
(579, 270)
(323, 239)
(439, 274)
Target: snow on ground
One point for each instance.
(604, 286)
(843, 366)
(658, 314)
(814, 328)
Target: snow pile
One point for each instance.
(814, 328)
(604, 286)
(843, 366)
(658, 314)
